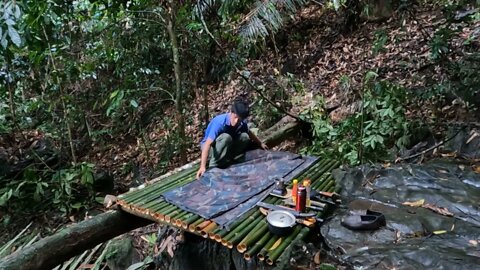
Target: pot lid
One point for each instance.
(281, 219)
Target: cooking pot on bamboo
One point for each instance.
(281, 222)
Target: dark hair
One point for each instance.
(240, 108)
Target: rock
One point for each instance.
(121, 254)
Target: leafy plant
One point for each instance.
(67, 189)
(440, 43)
(10, 13)
(381, 39)
(368, 134)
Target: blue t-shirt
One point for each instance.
(221, 124)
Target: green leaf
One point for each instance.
(18, 12)
(76, 205)
(69, 176)
(370, 76)
(5, 197)
(134, 103)
(336, 4)
(4, 41)
(14, 36)
(9, 22)
(114, 94)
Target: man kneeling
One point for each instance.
(226, 138)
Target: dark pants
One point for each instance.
(225, 149)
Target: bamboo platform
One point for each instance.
(249, 234)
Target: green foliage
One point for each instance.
(440, 43)
(368, 134)
(255, 19)
(10, 13)
(381, 39)
(67, 190)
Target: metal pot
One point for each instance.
(281, 222)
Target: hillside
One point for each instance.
(418, 66)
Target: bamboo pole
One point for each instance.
(317, 165)
(174, 218)
(257, 246)
(313, 169)
(253, 236)
(202, 225)
(285, 241)
(154, 187)
(273, 256)
(261, 255)
(325, 169)
(240, 227)
(166, 181)
(205, 231)
(192, 226)
(159, 189)
(239, 235)
(166, 178)
(189, 221)
(212, 234)
(324, 184)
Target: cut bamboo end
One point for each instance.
(261, 256)
(229, 245)
(159, 216)
(269, 261)
(218, 238)
(224, 242)
(121, 203)
(242, 248)
(191, 228)
(184, 225)
(203, 234)
(168, 218)
(210, 227)
(247, 256)
(179, 223)
(202, 225)
(211, 235)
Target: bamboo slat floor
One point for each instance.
(249, 234)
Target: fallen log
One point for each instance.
(71, 241)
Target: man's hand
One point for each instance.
(264, 146)
(200, 172)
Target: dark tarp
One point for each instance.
(225, 194)
(408, 241)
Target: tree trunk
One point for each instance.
(353, 10)
(178, 80)
(53, 250)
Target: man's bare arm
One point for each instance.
(204, 157)
(254, 138)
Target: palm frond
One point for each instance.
(264, 18)
(267, 18)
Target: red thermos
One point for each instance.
(301, 199)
